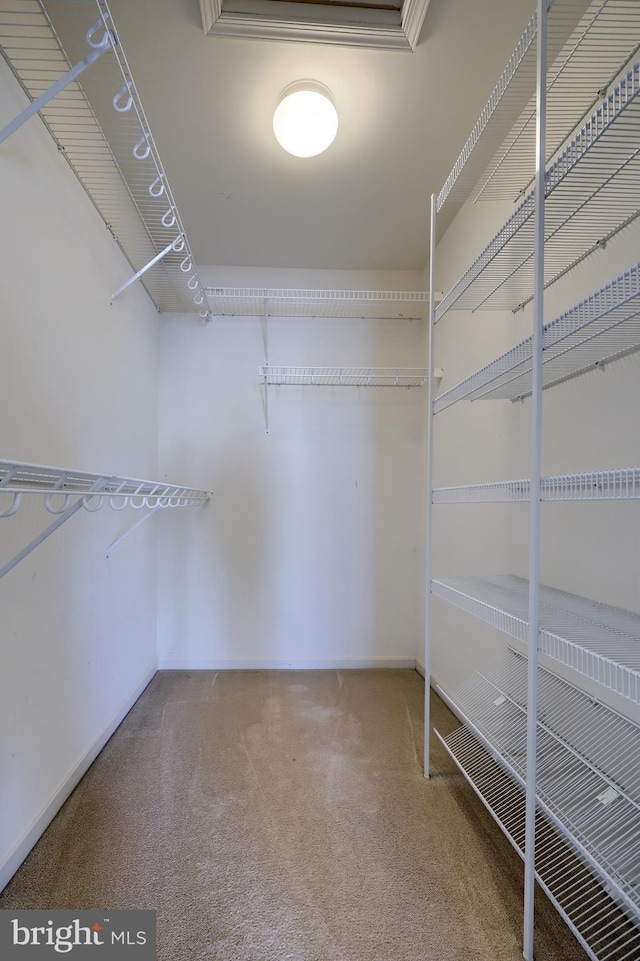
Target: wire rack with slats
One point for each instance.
(343, 376)
(58, 484)
(600, 328)
(605, 927)
(592, 192)
(597, 641)
(588, 42)
(282, 302)
(619, 484)
(41, 40)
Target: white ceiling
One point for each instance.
(364, 204)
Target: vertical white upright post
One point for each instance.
(536, 469)
(429, 512)
(266, 364)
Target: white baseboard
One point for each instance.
(284, 664)
(18, 853)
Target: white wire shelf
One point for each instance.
(619, 484)
(344, 376)
(592, 192)
(588, 771)
(605, 928)
(98, 122)
(60, 485)
(597, 641)
(604, 326)
(587, 41)
(281, 302)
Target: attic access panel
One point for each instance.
(384, 24)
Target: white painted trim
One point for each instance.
(217, 22)
(443, 693)
(420, 668)
(285, 664)
(16, 856)
(413, 14)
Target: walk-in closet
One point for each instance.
(319, 471)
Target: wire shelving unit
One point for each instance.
(588, 797)
(622, 483)
(585, 41)
(283, 302)
(65, 491)
(591, 193)
(100, 127)
(344, 376)
(599, 329)
(558, 770)
(597, 641)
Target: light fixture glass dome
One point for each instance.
(306, 121)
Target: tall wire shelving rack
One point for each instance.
(557, 768)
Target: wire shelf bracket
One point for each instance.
(66, 491)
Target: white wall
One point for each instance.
(78, 388)
(311, 552)
(589, 423)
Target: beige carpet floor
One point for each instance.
(283, 816)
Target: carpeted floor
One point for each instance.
(283, 816)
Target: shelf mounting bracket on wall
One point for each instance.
(131, 529)
(98, 47)
(59, 486)
(176, 245)
(59, 521)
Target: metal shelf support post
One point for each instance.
(429, 509)
(536, 472)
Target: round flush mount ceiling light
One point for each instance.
(306, 121)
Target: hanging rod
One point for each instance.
(101, 129)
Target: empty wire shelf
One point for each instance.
(59, 485)
(100, 127)
(586, 40)
(588, 772)
(279, 302)
(600, 328)
(606, 928)
(620, 484)
(592, 192)
(344, 376)
(597, 641)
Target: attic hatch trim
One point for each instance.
(336, 29)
